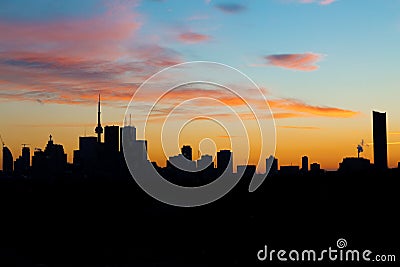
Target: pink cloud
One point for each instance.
(303, 62)
(320, 2)
(326, 2)
(67, 61)
(192, 37)
(77, 39)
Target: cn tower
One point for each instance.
(98, 130)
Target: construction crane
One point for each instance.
(360, 147)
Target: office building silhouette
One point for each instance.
(26, 156)
(23, 162)
(271, 164)
(380, 140)
(205, 162)
(86, 157)
(315, 167)
(52, 161)
(354, 165)
(304, 164)
(187, 152)
(289, 170)
(111, 138)
(7, 161)
(224, 161)
(181, 162)
(128, 132)
(140, 150)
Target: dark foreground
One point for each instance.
(112, 221)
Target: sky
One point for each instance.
(322, 65)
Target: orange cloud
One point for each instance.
(286, 115)
(281, 108)
(299, 127)
(66, 125)
(303, 62)
(299, 106)
(192, 37)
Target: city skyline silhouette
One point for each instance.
(91, 148)
(93, 211)
(198, 133)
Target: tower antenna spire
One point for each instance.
(98, 130)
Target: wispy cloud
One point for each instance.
(303, 62)
(67, 60)
(299, 127)
(282, 108)
(300, 106)
(192, 37)
(65, 125)
(226, 136)
(230, 7)
(320, 2)
(277, 115)
(326, 2)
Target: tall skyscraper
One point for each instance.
(26, 157)
(98, 130)
(304, 164)
(22, 163)
(127, 136)
(140, 150)
(86, 156)
(111, 138)
(187, 152)
(380, 140)
(7, 161)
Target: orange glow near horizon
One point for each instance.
(326, 144)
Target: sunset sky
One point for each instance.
(323, 66)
